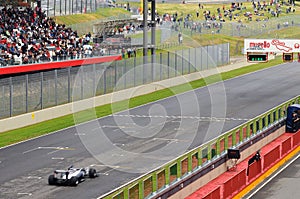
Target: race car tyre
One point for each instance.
(51, 180)
(92, 173)
(74, 181)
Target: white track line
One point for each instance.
(29, 194)
(48, 147)
(273, 176)
(34, 177)
(184, 117)
(57, 158)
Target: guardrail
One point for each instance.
(157, 180)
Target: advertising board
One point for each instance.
(272, 45)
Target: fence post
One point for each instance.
(26, 93)
(196, 59)
(134, 71)
(42, 80)
(104, 82)
(160, 66)
(124, 73)
(182, 62)
(152, 68)
(10, 97)
(168, 64)
(228, 56)
(206, 57)
(189, 69)
(69, 84)
(55, 80)
(115, 67)
(65, 7)
(217, 58)
(175, 63)
(54, 7)
(94, 80)
(60, 8)
(81, 81)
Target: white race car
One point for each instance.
(72, 176)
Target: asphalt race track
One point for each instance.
(126, 144)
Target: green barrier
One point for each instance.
(195, 159)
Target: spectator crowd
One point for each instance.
(214, 19)
(27, 35)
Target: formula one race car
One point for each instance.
(71, 176)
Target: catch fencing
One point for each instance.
(35, 91)
(256, 28)
(68, 7)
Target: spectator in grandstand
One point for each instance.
(32, 37)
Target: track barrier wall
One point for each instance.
(286, 146)
(270, 157)
(254, 170)
(171, 173)
(214, 194)
(236, 181)
(234, 184)
(296, 139)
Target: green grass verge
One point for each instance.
(42, 128)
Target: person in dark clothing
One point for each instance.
(296, 121)
(256, 158)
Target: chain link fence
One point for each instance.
(255, 28)
(69, 7)
(31, 92)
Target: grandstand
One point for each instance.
(28, 36)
